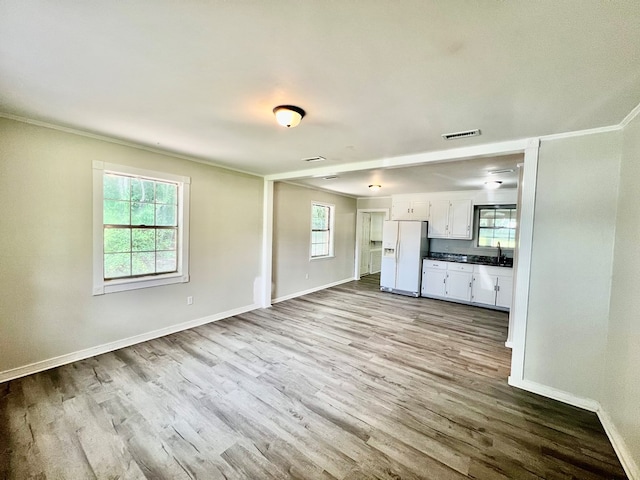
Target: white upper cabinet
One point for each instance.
(460, 218)
(410, 207)
(451, 219)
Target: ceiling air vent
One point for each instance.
(314, 159)
(456, 135)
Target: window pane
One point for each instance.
(319, 217)
(115, 212)
(485, 237)
(143, 263)
(144, 240)
(116, 187)
(117, 240)
(503, 217)
(117, 265)
(166, 239)
(320, 237)
(166, 262)
(142, 214)
(486, 217)
(142, 190)
(166, 215)
(166, 193)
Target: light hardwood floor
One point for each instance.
(347, 383)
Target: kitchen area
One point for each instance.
(452, 246)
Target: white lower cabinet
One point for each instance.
(476, 284)
(446, 280)
(492, 286)
(434, 278)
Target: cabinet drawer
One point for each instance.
(434, 264)
(460, 267)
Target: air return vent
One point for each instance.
(456, 135)
(314, 159)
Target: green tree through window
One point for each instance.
(140, 218)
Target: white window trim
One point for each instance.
(332, 218)
(102, 286)
(476, 219)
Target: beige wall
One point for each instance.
(292, 236)
(572, 255)
(373, 202)
(46, 246)
(621, 398)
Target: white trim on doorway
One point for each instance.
(360, 211)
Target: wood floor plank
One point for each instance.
(346, 383)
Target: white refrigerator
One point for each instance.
(404, 244)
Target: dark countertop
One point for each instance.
(472, 259)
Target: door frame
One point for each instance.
(360, 211)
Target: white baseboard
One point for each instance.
(619, 445)
(42, 365)
(508, 344)
(555, 394)
(311, 290)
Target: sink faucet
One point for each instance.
(499, 254)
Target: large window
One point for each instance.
(321, 230)
(140, 223)
(497, 224)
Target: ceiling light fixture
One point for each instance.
(493, 185)
(375, 188)
(288, 115)
(498, 172)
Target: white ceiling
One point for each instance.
(468, 174)
(378, 78)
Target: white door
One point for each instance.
(389, 234)
(484, 288)
(505, 291)
(460, 219)
(439, 218)
(365, 241)
(433, 282)
(388, 270)
(459, 285)
(408, 255)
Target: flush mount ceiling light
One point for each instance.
(375, 188)
(288, 115)
(493, 185)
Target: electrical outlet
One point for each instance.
(189, 300)
(306, 277)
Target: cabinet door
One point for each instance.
(433, 282)
(459, 285)
(505, 291)
(439, 218)
(460, 215)
(401, 210)
(484, 289)
(420, 210)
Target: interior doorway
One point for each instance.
(369, 244)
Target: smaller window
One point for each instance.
(497, 224)
(321, 230)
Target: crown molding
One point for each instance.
(124, 143)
